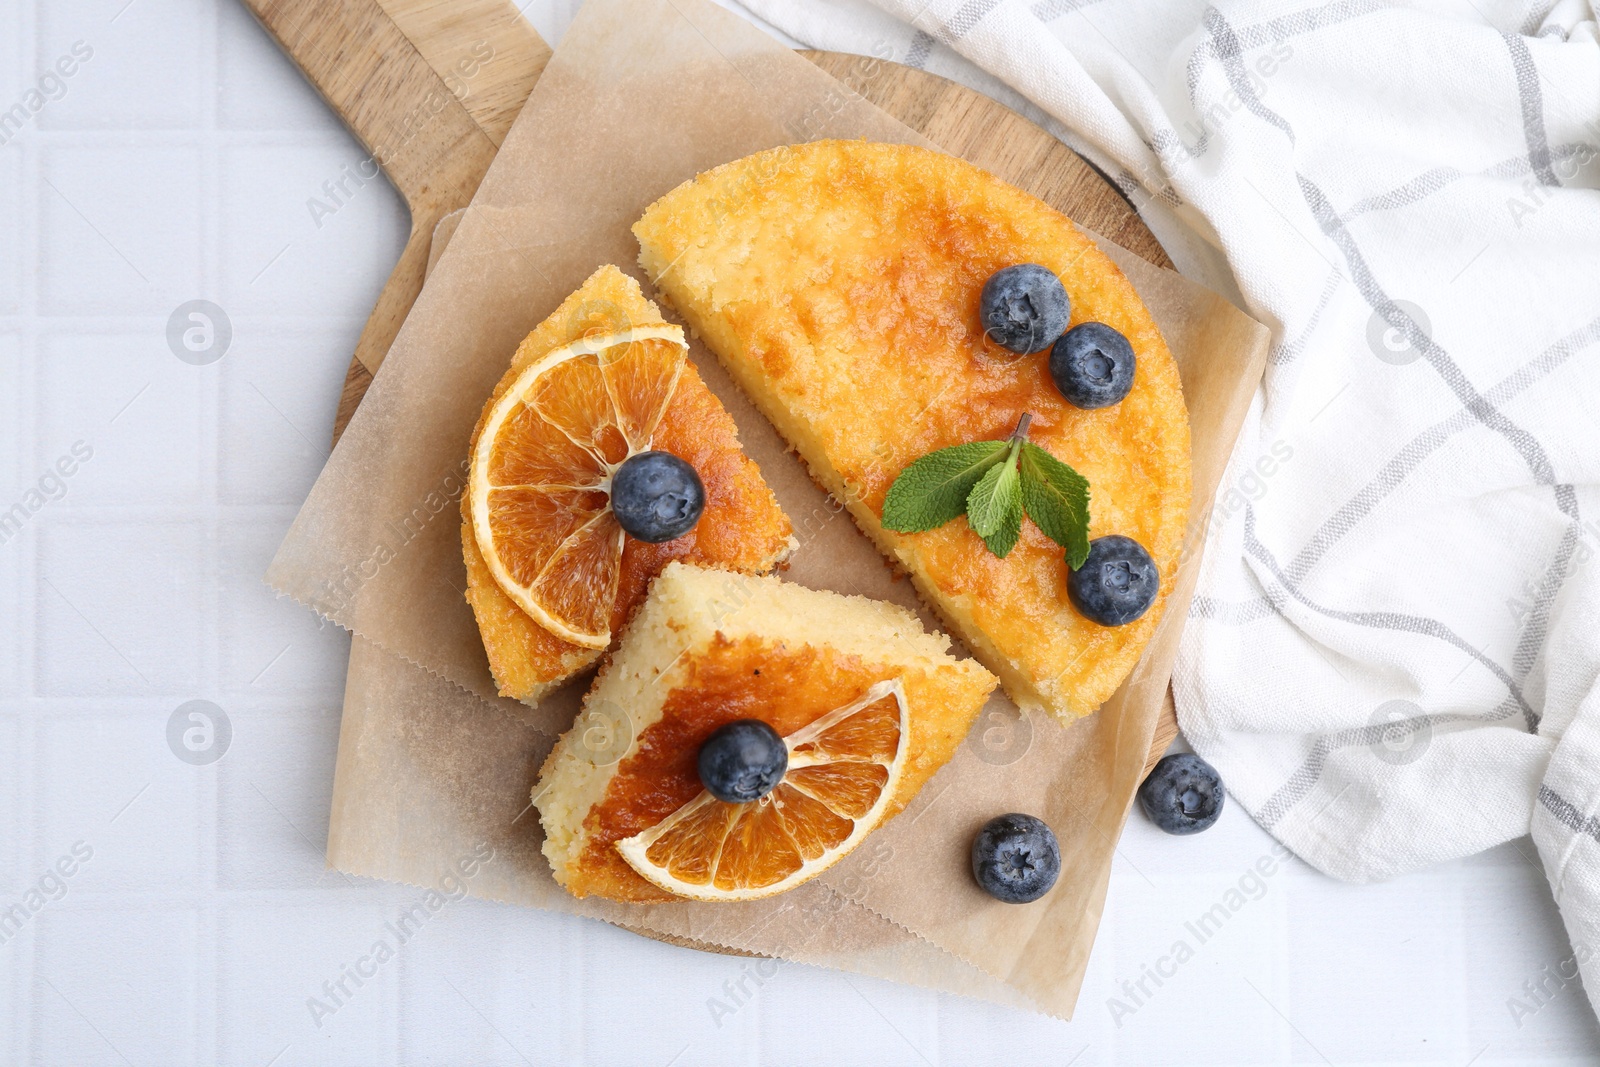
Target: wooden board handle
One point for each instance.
(379, 84)
(410, 109)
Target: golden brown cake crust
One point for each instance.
(742, 526)
(838, 281)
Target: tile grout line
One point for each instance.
(207, 1015)
(24, 1002)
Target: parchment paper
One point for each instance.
(641, 95)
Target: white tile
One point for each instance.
(114, 985)
(16, 466)
(273, 961)
(19, 84)
(13, 868)
(972, 1031)
(13, 202)
(1165, 961)
(276, 427)
(1388, 954)
(146, 69)
(44, 85)
(13, 1013)
(1187, 955)
(274, 792)
(1522, 1002)
(112, 784)
(119, 607)
(664, 992)
(14, 645)
(15, 470)
(119, 231)
(271, 643)
(282, 259)
(14, 62)
(496, 960)
(16, 478)
(136, 409)
(259, 88)
(869, 1022)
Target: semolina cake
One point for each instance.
(709, 647)
(840, 284)
(741, 526)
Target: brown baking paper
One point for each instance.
(641, 95)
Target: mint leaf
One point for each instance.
(1057, 500)
(1004, 539)
(934, 489)
(994, 508)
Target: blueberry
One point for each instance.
(1117, 582)
(1092, 365)
(1024, 308)
(1015, 858)
(656, 496)
(1183, 795)
(743, 760)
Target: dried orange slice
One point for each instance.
(540, 483)
(843, 771)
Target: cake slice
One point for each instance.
(870, 703)
(839, 282)
(664, 406)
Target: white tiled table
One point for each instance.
(176, 166)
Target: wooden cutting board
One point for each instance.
(430, 88)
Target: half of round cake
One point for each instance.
(869, 704)
(839, 282)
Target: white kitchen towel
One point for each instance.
(1394, 653)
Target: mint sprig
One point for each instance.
(934, 489)
(994, 483)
